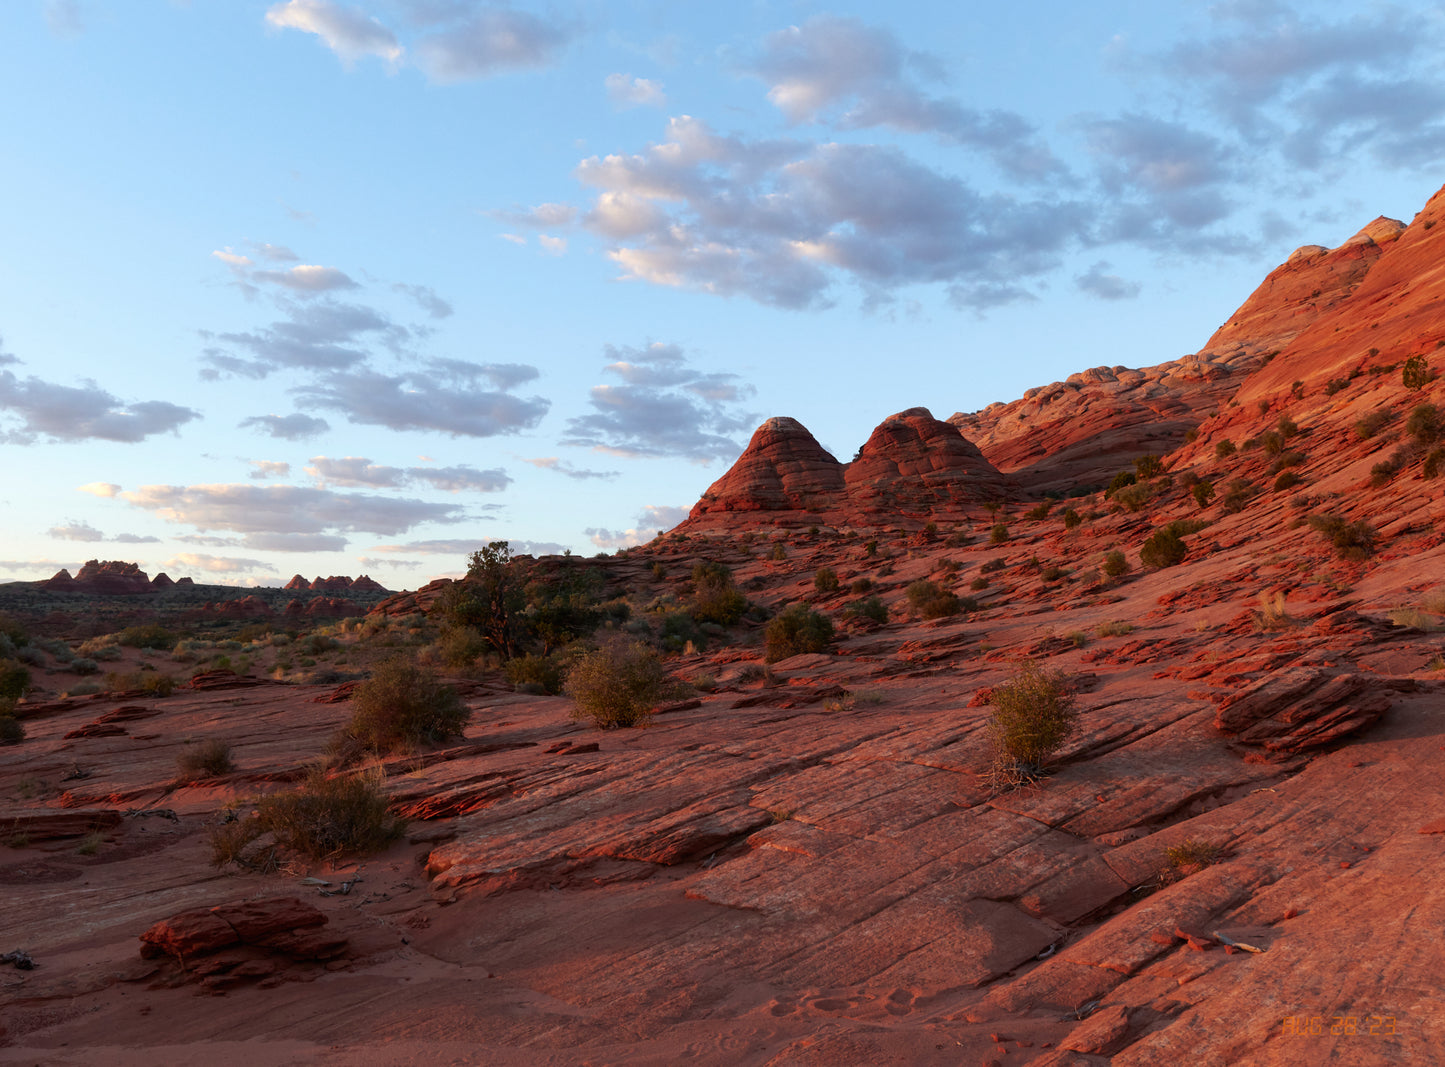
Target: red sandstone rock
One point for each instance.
(111, 578)
(1301, 708)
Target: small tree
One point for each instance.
(715, 597)
(825, 580)
(1116, 565)
(1416, 373)
(619, 684)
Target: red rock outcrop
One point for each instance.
(162, 581)
(111, 578)
(1300, 709)
(911, 464)
(1083, 430)
(329, 607)
(297, 583)
(365, 584)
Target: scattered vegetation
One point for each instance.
(1189, 857)
(1114, 628)
(404, 705)
(150, 635)
(12, 730)
(1416, 373)
(795, 631)
(930, 601)
(1373, 423)
(999, 534)
(153, 683)
(330, 816)
(1425, 424)
(1225, 448)
(825, 580)
(1272, 614)
(1115, 564)
(1237, 494)
(14, 680)
(715, 598)
(1164, 548)
(1203, 493)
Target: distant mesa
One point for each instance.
(162, 581)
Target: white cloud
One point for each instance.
(489, 42)
(625, 91)
(76, 531)
(307, 278)
(661, 516)
(347, 32)
(358, 471)
(100, 489)
(199, 561)
(561, 466)
(466, 546)
(293, 427)
(1096, 281)
(426, 299)
(267, 468)
(555, 246)
(284, 509)
(611, 540)
(541, 217)
(87, 412)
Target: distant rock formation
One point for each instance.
(335, 584)
(110, 578)
(162, 581)
(912, 464)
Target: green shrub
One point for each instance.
(825, 580)
(1033, 716)
(1135, 497)
(1148, 467)
(14, 630)
(860, 585)
(206, 759)
(1039, 511)
(1351, 540)
(1286, 426)
(1121, 480)
(1416, 373)
(1114, 628)
(930, 601)
(989, 566)
(331, 817)
(678, 630)
(779, 552)
(1072, 519)
(715, 598)
(1372, 424)
(797, 630)
(1286, 480)
(1334, 385)
(1287, 460)
(538, 674)
(152, 682)
(1053, 573)
(403, 705)
(1224, 449)
(1425, 424)
(1434, 463)
(460, 647)
(1203, 493)
(978, 583)
(998, 535)
(12, 730)
(1238, 493)
(150, 635)
(14, 680)
(619, 683)
(1115, 564)
(1164, 548)
(1272, 442)
(1188, 857)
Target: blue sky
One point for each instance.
(333, 288)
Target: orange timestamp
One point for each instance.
(1339, 1025)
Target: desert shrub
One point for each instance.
(149, 635)
(402, 705)
(205, 759)
(1416, 373)
(1224, 449)
(1286, 426)
(978, 583)
(1286, 480)
(1334, 385)
(1189, 856)
(14, 630)
(1434, 463)
(1238, 493)
(779, 552)
(1164, 548)
(825, 580)
(1425, 424)
(460, 646)
(619, 683)
(860, 585)
(1072, 519)
(715, 598)
(930, 601)
(999, 534)
(1272, 614)
(1381, 473)
(1287, 460)
(1033, 716)
(795, 631)
(989, 566)
(1135, 497)
(537, 674)
(1114, 628)
(57, 648)
(1351, 540)
(1203, 493)
(1039, 511)
(1148, 467)
(1372, 424)
(330, 817)
(1053, 573)
(1272, 442)
(678, 630)
(958, 539)
(870, 548)
(1115, 565)
(1122, 479)
(152, 682)
(30, 656)
(12, 730)
(14, 679)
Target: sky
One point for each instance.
(329, 287)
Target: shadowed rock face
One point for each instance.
(912, 463)
(111, 578)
